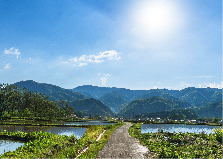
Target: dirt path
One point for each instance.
(122, 145)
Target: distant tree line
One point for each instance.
(17, 102)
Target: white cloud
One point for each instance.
(73, 59)
(104, 79)
(196, 77)
(7, 66)
(82, 58)
(184, 85)
(215, 85)
(111, 55)
(82, 64)
(13, 52)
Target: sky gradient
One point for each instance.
(134, 44)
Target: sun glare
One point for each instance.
(156, 18)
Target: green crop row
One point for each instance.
(180, 145)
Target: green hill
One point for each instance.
(151, 105)
(92, 106)
(212, 110)
(196, 96)
(176, 114)
(55, 92)
(114, 100)
(158, 93)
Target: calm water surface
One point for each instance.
(88, 123)
(7, 145)
(78, 132)
(177, 128)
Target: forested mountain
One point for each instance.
(55, 92)
(93, 91)
(158, 93)
(98, 92)
(114, 100)
(120, 99)
(212, 110)
(175, 114)
(17, 102)
(192, 95)
(91, 106)
(200, 95)
(151, 105)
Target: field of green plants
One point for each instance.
(180, 145)
(47, 145)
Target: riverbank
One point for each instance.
(185, 123)
(47, 145)
(179, 145)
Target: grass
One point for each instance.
(179, 145)
(47, 145)
(92, 152)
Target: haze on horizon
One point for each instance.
(137, 45)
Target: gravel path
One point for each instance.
(122, 145)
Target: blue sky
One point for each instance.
(134, 44)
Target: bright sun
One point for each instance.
(156, 18)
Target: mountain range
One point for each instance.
(111, 101)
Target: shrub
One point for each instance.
(218, 134)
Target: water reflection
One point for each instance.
(177, 128)
(88, 123)
(7, 145)
(78, 132)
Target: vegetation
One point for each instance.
(151, 105)
(158, 93)
(179, 145)
(218, 134)
(23, 103)
(115, 101)
(95, 147)
(197, 96)
(176, 114)
(91, 106)
(55, 93)
(47, 145)
(198, 99)
(211, 110)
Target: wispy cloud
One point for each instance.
(101, 57)
(213, 85)
(104, 78)
(196, 77)
(13, 52)
(7, 66)
(82, 64)
(184, 85)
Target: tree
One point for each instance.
(215, 120)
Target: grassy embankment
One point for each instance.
(39, 122)
(47, 145)
(174, 122)
(180, 145)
